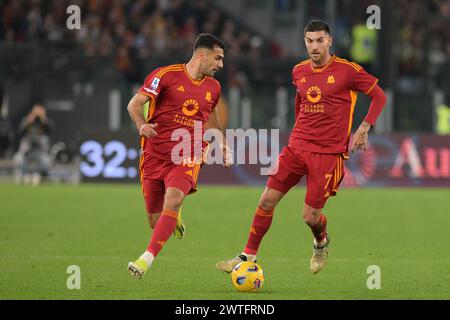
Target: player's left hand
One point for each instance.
(360, 139)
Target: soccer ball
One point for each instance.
(247, 276)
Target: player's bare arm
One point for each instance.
(135, 110)
(215, 122)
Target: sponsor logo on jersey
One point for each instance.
(313, 94)
(190, 107)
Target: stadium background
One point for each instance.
(86, 77)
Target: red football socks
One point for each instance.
(261, 223)
(163, 230)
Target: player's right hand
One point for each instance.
(227, 156)
(148, 130)
(360, 140)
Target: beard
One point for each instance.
(210, 73)
(316, 57)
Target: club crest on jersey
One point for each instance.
(330, 79)
(208, 96)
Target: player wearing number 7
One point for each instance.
(179, 95)
(318, 145)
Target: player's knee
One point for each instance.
(267, 202)
(173, 201)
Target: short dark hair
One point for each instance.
(38, 103)
(316, 25)
(207, 40)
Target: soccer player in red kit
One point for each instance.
(326, 90)
(179, 96)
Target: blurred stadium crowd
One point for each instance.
(425, 41)
(76, 73)
(122, 40)
(126, 30)
(130, 30)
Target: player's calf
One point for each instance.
(153, 218)
(173, 199)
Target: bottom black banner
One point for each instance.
(224, 309)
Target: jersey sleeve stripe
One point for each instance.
(353, 97)
(371, 88)
(302, 63)
(141, 166)
(196, 171)
(350, 64)
(357, 66)
(151, 109)
(169, 67)
(164, 70)
(161, 72)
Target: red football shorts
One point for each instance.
(157, 175)
(324, 173)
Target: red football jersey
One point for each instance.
(176, 102)
(325, 102)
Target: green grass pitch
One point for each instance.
(100, 228)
